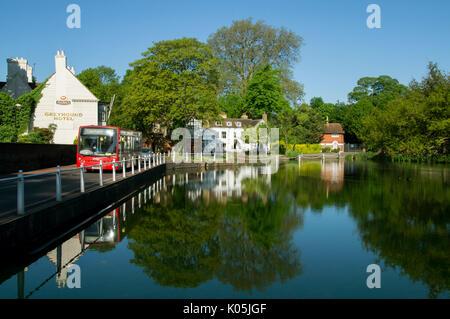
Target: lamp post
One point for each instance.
(17, 106)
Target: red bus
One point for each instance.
(107, 143)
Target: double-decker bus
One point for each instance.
(106, 143)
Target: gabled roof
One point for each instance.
(244, 123)
(333, 128)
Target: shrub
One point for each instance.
(326, 149)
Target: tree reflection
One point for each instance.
(243, 241)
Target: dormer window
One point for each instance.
(228, 123)
(238, 124)
(218, 123)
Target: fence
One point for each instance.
(143, 163)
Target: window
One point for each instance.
(334, 135)
(238, 124)
(228, 123)
(224, 134)
(218, 123)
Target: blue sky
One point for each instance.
(338, 46)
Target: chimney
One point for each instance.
(60, 62)
(264, 117)
(244, 116)
(224, 115)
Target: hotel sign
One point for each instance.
(63, 101)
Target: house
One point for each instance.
(67, 103)
(333, 136)
(231, 132)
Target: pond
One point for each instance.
(303, 231)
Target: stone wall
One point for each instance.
(27, 157)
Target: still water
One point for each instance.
(307, 231)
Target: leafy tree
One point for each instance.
(102, 81)
(378, 90)
(245, 47)
(417, 125)
(264, 94)
(232, 105)
(157, 84)
(302, 125)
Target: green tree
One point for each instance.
(416, 126)
(232, 105)
(264, 94)
(102, 81)
(155, 91)
(245, 47)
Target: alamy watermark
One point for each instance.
(74, 19)
(227, 146)
(374, 279)
(374, 19)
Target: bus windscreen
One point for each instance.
(97, 141)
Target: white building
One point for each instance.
(67, 103)
(230, 132)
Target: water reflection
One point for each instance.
(238, 225)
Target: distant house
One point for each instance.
(333, 136)
(229, 132)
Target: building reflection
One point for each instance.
(333, 175)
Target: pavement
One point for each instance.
(42, 189)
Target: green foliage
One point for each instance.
(7, 134)
(305, 148)
(39, 135)
(302, 125)
(155, 92)
(246, 47)
(264, 94)
(102, 81)
(415, 126)
(232, 105)
(17, 117)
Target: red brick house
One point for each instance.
(333, 136)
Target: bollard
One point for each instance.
(82, 178)
(114, 169)
(124, 169)
(58, 184)
(101, 173)
(20, 194)
(132, 165)
(139, 163)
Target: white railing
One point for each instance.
(147, 161)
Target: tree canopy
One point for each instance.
(174, 82)
(245, 47)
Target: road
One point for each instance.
(42, 189)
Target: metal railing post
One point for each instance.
(20, 194)
(114, 169)
(82, 178)
(101, 173)
(186, 157)
(139, 163)
(173, 156)
(124, 169)
(154, 163)
(145, 164)
(58, 184)
(160, 158)
(132, 165)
